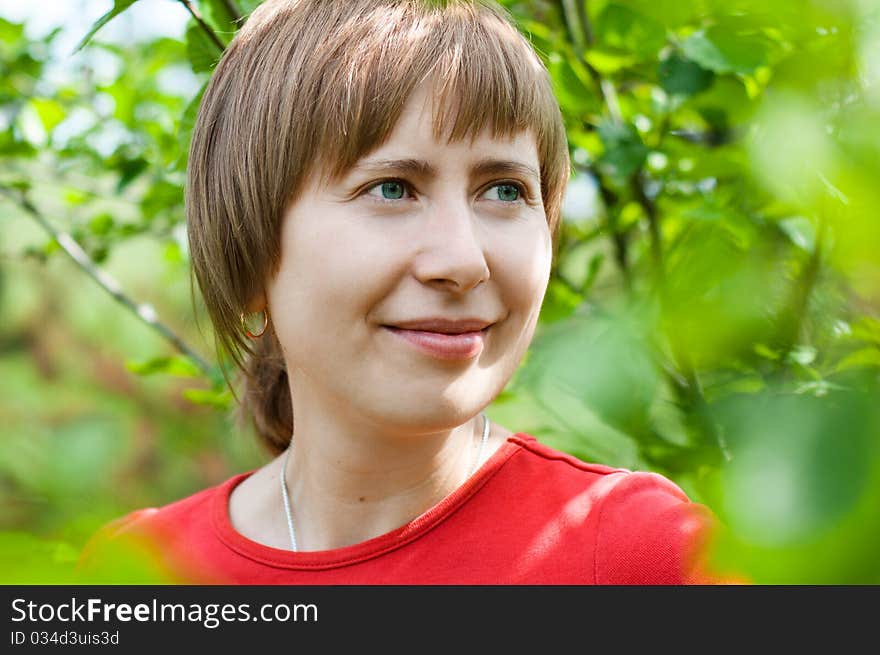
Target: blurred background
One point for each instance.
(713, 313)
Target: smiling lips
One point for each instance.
(444, 338)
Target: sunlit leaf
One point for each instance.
(101, 224)
(720, 50)
(177, 365)
(864, 358)
(801, 231)
(118, 7)
(220, 399)
(50, 111)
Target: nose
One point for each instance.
(451, 255)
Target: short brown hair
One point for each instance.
(311, 86)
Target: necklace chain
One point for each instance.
(286, 498)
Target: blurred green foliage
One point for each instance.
(713, 313)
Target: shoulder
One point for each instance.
(644, 528)
(139, 546)
(615, 488)
(541, 455)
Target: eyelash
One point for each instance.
(524, 196)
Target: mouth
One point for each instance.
(453, 346)
(443, 325)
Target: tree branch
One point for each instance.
(144, 312)
(201, 21)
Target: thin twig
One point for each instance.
(201, 21)
(144, 312)
(650, 209)
(618, 238)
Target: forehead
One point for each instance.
(418, 137)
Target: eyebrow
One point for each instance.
(422, 168)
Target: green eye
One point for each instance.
(391, 190)
(506, 192)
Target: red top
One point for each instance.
(529, 515)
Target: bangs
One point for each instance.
(482, 75)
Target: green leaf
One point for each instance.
(801, 231)
(671, 13)
(74, 196)
(225, 22)
(129, 169)
(201, 51)
(571, 84)
(12, 146)
(10, 32)
(620, 27)
(748, 384)
(247, 6)
(185, 126)
(162, 196)
(799, 484)
(624, 152)
(609, 63)
(867, 329)
(864, 358)
(177, 365)
(101, 224)
(220, 399)
(118, 7)
(559, 302)
(603, 362)
(723, 51)
(51, 112)
(681, 76)
(19, 183)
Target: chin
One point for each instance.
(427, 415)
(413, 397)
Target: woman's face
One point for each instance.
(418, 231)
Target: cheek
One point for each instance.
(326, 281)
(524, 269)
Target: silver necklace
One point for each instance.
(286, 498)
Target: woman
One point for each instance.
(374, 190)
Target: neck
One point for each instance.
(347, 485)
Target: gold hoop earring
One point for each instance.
(247, 330)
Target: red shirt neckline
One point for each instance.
(348, 555)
